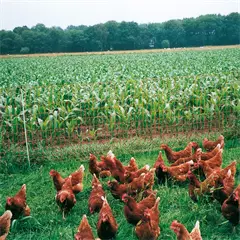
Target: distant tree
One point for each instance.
(175, 33)
(24, 50)
(29, 40)
(210, 29)
(81, 27)
(97, 36)
(19, 30)
(39, 28)
(165, 44)
(55, 34)
(112, 28)
(78, 41)
(9, 42)
(232, 28)
(160, 35)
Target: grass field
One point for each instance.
(46, 221)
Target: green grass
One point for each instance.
(46, 220)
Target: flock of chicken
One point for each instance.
(134, 187)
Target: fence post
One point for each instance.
(25, 129)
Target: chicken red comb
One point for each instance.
(175, 226)
(124, 195)
(195, 144)
(196, 165)
(9, 200)
(52, 172)
(164, 168)
(162, 146)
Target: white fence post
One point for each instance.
(25, 129)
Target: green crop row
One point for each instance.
(87, 95)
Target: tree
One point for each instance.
(232, 29)
(55, 35)
(19, 30)
(175, 33)
(165, 44)
(78, 41)
(9, 42)
(28, 40)
(210, 29)
(97, 36)
(112, 37)
(24, 50)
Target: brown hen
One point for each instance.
(133, 188)
(117, 170)
(133, 211)
(212, 182)
(84, 230)
(195, 157)
(107, 226)
(65, 198)
(17, 204)
(174, 156)
(95, 200)
(231, 207)
(178, 173)
(160, 174)
(132, 166)
(130, 175)
(208, 155)
(137, 185)
(58, 180)
(95, 166)
(224, 187)
(149, 179)
(117, 189)
(5, 223)
(77, 179)
(183, 234)
(148, 227)
(210, 145)
(210, 165)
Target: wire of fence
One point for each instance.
(49, 117)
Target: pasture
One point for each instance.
(46, 219)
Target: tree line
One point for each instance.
(205, 30)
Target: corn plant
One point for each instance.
(112, 95)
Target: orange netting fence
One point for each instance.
(47, 116)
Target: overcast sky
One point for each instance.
(76, 12)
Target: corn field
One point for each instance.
(76, 99)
